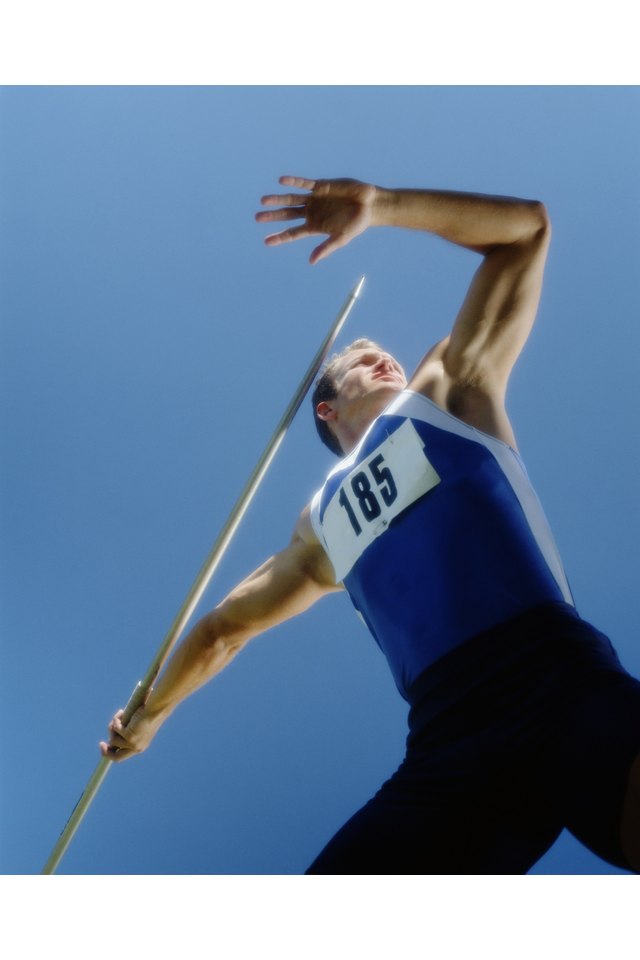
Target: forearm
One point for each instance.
(477, 221)
(279, 589)
(285, 585)
(205, 651)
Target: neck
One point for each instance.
(351, 430)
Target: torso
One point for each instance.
(436, 533)
(475, 407)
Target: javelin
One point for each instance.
(143, 687)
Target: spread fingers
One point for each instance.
(296, 233)
(287, 213)
(301, 183)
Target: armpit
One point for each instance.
(317, 563)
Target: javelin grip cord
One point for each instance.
(143, 687)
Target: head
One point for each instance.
(353, 388)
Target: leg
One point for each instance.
(600, 758)
(378, 840)
(413, 826)
(630, 821)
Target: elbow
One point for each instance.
(540, 221)
(532, 227)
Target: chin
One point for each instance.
(392, 386)
(386, 394)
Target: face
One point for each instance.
(366, 380)
(368, 373)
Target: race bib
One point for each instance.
(393, 477)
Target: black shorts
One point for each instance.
(521, 732)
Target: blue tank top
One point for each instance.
(437, 534)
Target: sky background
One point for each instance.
(149, 343)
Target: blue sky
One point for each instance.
(150, 343)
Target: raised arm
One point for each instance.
(468, 371)
(499, 309)
(285, 585)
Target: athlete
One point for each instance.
(522, 720)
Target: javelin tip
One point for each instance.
(358, 287)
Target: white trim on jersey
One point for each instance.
(416, 406)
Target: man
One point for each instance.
(522, 719)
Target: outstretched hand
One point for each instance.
(343, 209)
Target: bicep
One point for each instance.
(497, 314)
(286, 585)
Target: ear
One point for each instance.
(325, 411)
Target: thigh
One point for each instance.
(426, 827)
(598, 771)
(630, 819)
(385, 837)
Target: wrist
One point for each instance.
(384, 204)
(155, 709)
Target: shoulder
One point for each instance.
(474, 403)
(304, 528)
(429, 375)
(312, 554)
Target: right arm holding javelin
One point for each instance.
(285, 585)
